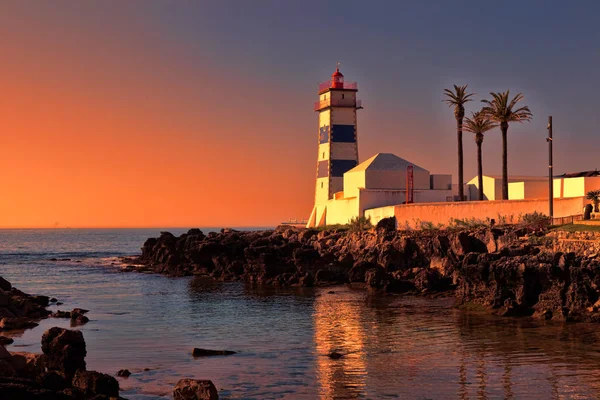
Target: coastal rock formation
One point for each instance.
(58, 373)
(20, 310)
(381, 258)
(192, 389)
(510, 270)
(65, 351)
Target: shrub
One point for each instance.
(594, 196)
(536, 221)
(358, 224)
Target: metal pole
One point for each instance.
(550, 167)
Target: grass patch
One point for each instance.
(578, 228)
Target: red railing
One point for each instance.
(319, 105)
(347, 85)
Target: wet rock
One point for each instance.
(65, 351)
(197, 352)
(93, 383)
(28, 365)
(124, 373)
(334, 355)
(375, 277)
(4, 354)
(6, 370)
(53, 300)
(16, 323)
(59, 303)
(79, 311)
(5, 285)
(61, 314)
(192, 389)
(52, 381)
(4, 340)
(79, 319)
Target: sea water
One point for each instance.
(393, 346)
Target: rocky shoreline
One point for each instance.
(508, 270)
(59, 372)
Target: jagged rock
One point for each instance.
(197, 352)
(16, 323)
(65, 351)
(5, 340)
(28, 365)
(61, 314)
(93, 383)
(52, 381)
(5, 285)
(124, 373)
(192, 389)
(334, 355)
(376, 277)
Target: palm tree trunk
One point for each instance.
(479, 171)
(504, 129)
(459, 123)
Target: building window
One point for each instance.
(323, 154)
(321, 185)
(342, 96)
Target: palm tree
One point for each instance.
(479, 124)
(594, 196)
(500, 110)
(457, 99)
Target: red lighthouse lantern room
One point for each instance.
(337, 79)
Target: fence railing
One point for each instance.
(567, 220)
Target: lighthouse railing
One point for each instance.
(346, 85)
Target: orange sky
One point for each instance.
(141, 113)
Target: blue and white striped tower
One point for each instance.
(338, 145)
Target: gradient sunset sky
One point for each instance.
(197, 113)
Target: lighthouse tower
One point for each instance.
(337, 138)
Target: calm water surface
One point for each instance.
(397, 347)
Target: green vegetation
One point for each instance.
(468, 223)
(577, 228)
(500, 110)
(479, 124)
(358, 224)
(536, 221)
(594, 196)
(457, 99)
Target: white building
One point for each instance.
(344, 190)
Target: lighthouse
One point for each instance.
(337, 139)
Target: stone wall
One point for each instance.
(442, 213)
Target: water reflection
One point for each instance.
(410, 348)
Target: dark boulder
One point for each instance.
(16, 323)
(65, 351)
(124, 373)
(192, 389)
(5, 285)
(93, 383)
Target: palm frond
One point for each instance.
(458, 96)
(500, 109)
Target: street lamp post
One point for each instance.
(550, 167)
